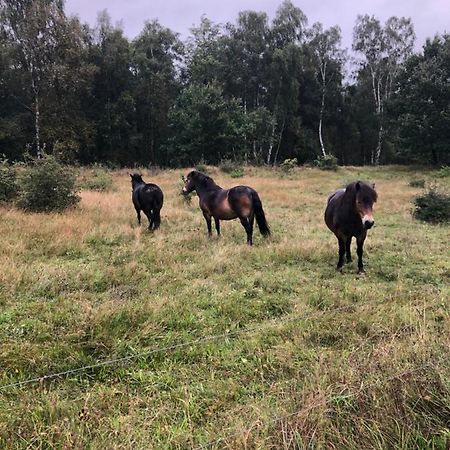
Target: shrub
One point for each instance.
(96, 179)
(417, 183)
(432, 206)
(66, 151)
(8, 184)
(327, 162)
(443, 172)
(201, 167)
(187, 198)
(47, 185)
(237, 173)
(288, 165)
(228, 166)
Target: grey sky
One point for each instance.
(429, 17)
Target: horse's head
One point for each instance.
(136, 179)
(365, 197)
(189, 182)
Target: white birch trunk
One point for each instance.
(269, 151)
(320, 124)
(279, 142)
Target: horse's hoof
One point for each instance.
(361, 272)
(339, 269)
(349, 261)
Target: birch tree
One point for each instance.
(33, 25)
(382, 51)
(328, 58)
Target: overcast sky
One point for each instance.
(429, 16)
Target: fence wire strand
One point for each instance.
(193, 342)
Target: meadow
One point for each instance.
(223, 345)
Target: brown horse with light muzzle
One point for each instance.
(241, 202)
(349, 214)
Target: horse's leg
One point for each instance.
(150, 219)
(246, 224)
(156, 218)
(348, 249)
(138, 213)
(341, 254)
(217, 222)
(251, 221)
(208, 223)
(359, 250)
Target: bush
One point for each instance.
(228, 166)
(327, 162)
(187, 198)
(201, 167)
(66, 151)
(47, 185)
(237, 173)
(96, 179)
(8, 184)
(288, 165)
(417, 183)
(432, 206)
(443, 172)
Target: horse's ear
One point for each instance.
(358, 185)
(131, 175)
(373, 185)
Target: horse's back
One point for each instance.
(336, 195)
(150, 196)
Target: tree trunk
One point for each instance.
(37, 126)
(269, 152)
(279, 142)
(376, 161)
(322, 107)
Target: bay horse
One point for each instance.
(147, 197)
(349, 214)
(241, 202)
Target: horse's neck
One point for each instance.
(137, 185)
(348, 204)
(205, 189)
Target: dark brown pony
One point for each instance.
(349, 214)
(147, 197)
(241, 202)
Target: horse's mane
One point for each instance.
(206, 180)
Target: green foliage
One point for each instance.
(433, 206)
(206, 125)
(252, 91)
(96, 179)
(201, 167)
(417, 183)
(237, 173)
(288, 165)
(186, 198)
(443, 172)
(327, 162)
(47, 185)
(8, 182)
(228, 166)
(421, 104)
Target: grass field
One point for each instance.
(306, 358)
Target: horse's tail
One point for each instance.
(259, 215)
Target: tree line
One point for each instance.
(255, 90)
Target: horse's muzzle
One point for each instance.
(368, 224)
